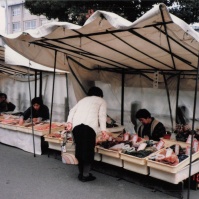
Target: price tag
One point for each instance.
(160, 144)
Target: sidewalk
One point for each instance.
(24, 176)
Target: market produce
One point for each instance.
(43, 127)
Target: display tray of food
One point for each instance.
(108, 152)
(8, 126)
(53, 137)
(177, 177)
(97, 157)
(40, 129)
(9, 121)
(115, 129)
(133, 159)
(134, 156)
(173, 158)
(60, 138)
(138, 152)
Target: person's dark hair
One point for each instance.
(143, 113)
(95, 91)
(37, 100)
(3, 94)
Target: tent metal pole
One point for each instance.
(55, 61)
(169, 101)
(33, 134)
(192, 132)
(40, 84)
(35, 83)
(122, 99)
(67, 99)
(168, 42)
(78, 81)
(177, 95)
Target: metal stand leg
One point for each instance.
(182, 189)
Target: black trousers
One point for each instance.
(85, 139)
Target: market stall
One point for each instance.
(154, 164)
(27, 137)
(158, 47)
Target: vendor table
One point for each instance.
(21, 140)
(55, 143)
(22, 137)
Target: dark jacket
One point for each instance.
(43, 112)
(155, 130)
(5, 107)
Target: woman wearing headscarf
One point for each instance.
(5, 105)
(38, 111)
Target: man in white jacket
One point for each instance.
(86, 119)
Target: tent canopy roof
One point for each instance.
(12, 63)
(158, 41)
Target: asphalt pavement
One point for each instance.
(23, 176)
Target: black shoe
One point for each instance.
(80, 176)
(87, 178)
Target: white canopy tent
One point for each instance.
(13, 58)
(147, 53)
(156, 42)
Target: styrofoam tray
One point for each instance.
(175, 178)
(9, 126)
(108, 152)
(133, 159)
(55, 146)
(169, 168)
(97, 157)
(112, 160)
(37, 132)
(137, 168)
(115, 129)
(52, 139)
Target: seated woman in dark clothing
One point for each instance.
(5, 105)
(39, 111)
(151, 127)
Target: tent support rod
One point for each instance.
(169, 101)
(85, 53)
(102, 69)
(40, 85)
(122, 99)
(82, 87)
(115, 50)
(33, 134)
(171, 38)
(7, 69)
(192, 134)
(35, 83)
(55, 61)
(195, 98)
(67, 99)
(141, 51)
(165, 28)
(158, 46)
(177, 95)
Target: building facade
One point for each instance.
(19, 18)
